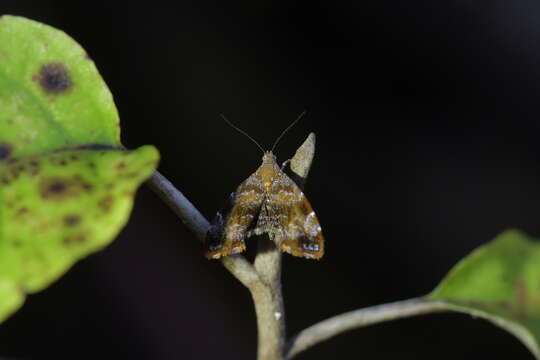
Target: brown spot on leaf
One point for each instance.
(34, 168)
(121, 165)
(58, 188)
(72, 220)
(130, 192)
(54, 78)
(5, 150)
(132, 175)
(106, 203)
(14, 172)
(21, 211)
(521, 291)
(75, 239)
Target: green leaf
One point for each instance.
(500, 282)
(66, 184)
(51, 94)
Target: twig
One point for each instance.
(333, 326)
(302, 160)
(268, 301)
(193, 219)
(179, 204)
(263, 278)
(267, 295)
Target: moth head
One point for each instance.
(267, 171)
(268, 157)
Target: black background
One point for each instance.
(426, 116)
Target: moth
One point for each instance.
(268, 201)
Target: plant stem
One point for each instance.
(193, 219)
(266, 294)
(335, 325)
(268, 301)
(263, 278)
(179, 204)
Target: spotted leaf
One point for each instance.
(51, 94)
(66, 184)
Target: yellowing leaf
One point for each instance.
(66, 184)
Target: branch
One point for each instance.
(179, 204)
(193, 219)
(333, 326)
(263, 278)
(267, 294)
(302, 160)
(268, 301)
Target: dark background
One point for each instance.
(426, 116)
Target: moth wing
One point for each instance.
(231, 226)
(302, 235)
(214, 246)
(268, 218)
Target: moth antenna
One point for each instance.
(241, 131)
(287, 129)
